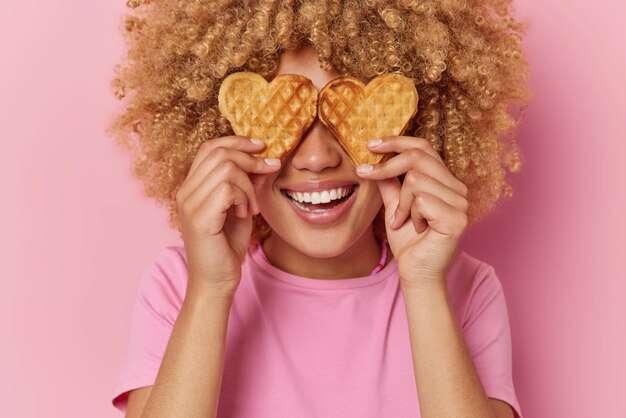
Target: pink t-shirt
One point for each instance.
(302, 347)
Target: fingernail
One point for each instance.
(391, 220)
(364, 168)
(374, 142)
(272, 161)
(256, 141)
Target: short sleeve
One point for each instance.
(158, 299)
(488, 337)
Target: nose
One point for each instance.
(318, 150)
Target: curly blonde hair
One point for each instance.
(465, 57)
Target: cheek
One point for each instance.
(371, 196)
(265, 199)
(265, 205)
(365, 209)
(263, 189)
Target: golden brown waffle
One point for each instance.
(356, 113)
(278, 113)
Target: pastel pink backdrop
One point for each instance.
(77, 232)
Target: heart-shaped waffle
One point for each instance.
(278, 113)
(356, 113)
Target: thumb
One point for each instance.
(390, 192)
(257, 179)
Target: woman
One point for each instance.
(315, 315)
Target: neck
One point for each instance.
(357, 261)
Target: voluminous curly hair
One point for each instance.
(465, 57)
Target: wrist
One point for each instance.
(436, 285)
(425, 295)
(209, 291)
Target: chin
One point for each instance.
(320, 242)
(326, 243)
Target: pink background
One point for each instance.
(77, 232)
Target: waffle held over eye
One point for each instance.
(278, 113)
(356, 113)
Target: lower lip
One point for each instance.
(328, 216)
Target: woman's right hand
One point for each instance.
(215, 205)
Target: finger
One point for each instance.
(241, 203)
(211, 213)
(419, 222)
(441, 217)
(389, 191)
(413, 159)
(240, 143)
(401, 144)
(221, 156)
(258, 180)
(416, 182)
(225, 173)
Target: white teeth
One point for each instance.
(324, 196)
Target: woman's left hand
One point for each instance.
(426, 215)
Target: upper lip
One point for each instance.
(316, 186)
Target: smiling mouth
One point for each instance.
(321, 201)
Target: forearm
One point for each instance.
(445, 376)
(189, 379)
